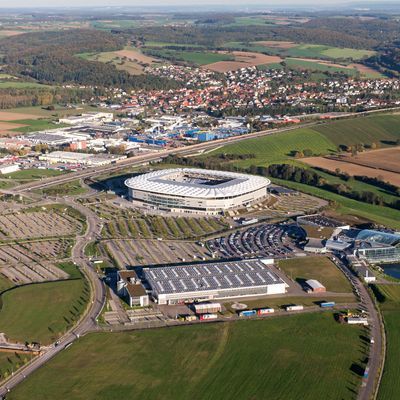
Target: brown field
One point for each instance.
(5, 126)
(15, 116)
(135, 56)
(353, 169)
(279, 44)
(10, 33)
(243, 59)
(363, 69)
(387, 159)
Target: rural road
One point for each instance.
(88, 321)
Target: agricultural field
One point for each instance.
(389, 299)
(315, 65)
(384, 159)
(303, 50)
(348, 167)
(129, 59)
(242, 59)
(320, 268)
(44, 311)
(192, 57)
(382, 129)
(214, 365)
(277, 148)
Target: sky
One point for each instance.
(166, 3)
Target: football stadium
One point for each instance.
(196, 191)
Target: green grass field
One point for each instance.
(279, 358)
(21, 85)
(303, 50)
(4, 283)
(320, 268)
(43, 312)
(10, 362)
(276, 148)
(33, 125)
(72, 188)
(32, 174)
(193, 57)
(390, 307)
(383, 129)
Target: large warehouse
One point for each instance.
(224, 280)
(196, 190)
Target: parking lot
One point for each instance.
(148, 252)
(266, 240)
(36, 224)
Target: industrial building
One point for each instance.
(80, 158)
(315, 286)
(377, 246)
(130, 288)
(196, 190)
(204, 282)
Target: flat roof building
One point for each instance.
(201, 282)
(197, 191)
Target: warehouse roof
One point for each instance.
(210, 276)
(314, 284)
(201, 183)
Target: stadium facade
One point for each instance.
(196, 191)
(212, 281)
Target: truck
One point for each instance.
(205, 317)
(294, 308)
(327, 304)
(247, 313)
(265, 311)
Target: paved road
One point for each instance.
(369, 386)
(88, 321)
(146, 158)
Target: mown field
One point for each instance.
(276, 148)
(193, 57)
(306, 50)
(320, 268)
(42, 312)
(390, 305)
(382, 129)
(280, 358)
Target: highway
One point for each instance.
(88, 322)
(187, 150)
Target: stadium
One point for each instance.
(196, 191)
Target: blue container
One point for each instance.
(328, 304)
(247, 313)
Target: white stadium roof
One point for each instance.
(232, 184)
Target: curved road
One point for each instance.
(88, 321)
